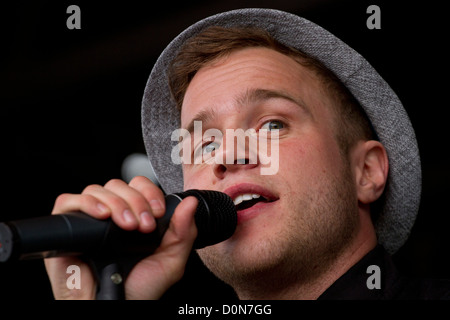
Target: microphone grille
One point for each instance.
(216, 216)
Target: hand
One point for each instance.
(131, 206)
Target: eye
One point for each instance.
(205, 152)
(210, 147)
(272, 125)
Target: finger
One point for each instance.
(78, 202)
(121, 213)
(153, 194)
(138, 204)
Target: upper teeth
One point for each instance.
(245, 197)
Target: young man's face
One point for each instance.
(309, 206)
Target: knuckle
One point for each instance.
(117, 203)
(138, 180)
(146, 188)
(62, 199)
(86, 200)
(113, 183)
(91, 188)
(136, 200)
(151, 192)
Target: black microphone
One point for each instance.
(77, 233)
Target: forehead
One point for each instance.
(221, 84)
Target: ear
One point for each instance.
(371, 166)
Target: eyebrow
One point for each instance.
(261, 95)
(251, 96)
(204, 116)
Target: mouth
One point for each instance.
(250, 200)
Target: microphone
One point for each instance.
(77, 233)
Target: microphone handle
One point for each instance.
(77, 233)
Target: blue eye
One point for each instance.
(272, 125)
(210, 147)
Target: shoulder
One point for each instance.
(423, 289)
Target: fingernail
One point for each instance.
(146, 220)
(128, 216)
(156, 206)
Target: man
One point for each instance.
(346, 182)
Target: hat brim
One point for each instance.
(400, 206)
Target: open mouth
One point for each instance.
(248, 200)
(251, 200)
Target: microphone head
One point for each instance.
(216, 216)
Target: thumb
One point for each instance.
(166, 265)
(182, 230)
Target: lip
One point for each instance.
(246, 214)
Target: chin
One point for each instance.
(234, 260)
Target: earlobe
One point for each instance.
(372, 170)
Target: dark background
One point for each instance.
(73, 98)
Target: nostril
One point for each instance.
(220, 168)
(242, 161)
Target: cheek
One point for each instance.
(304, 161)
(196, 178)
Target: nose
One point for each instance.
(221, 170)
(233, 158)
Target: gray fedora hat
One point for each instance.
(160, 116)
